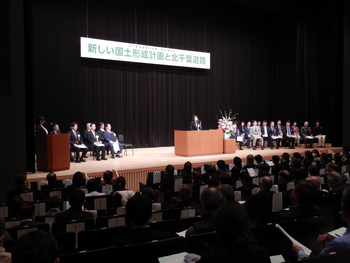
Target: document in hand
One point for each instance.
(306, 250)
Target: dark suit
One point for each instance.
(29, 224)
(304, 132)
(265, 135)
(194, 127)
(90, 142)
(73, 213)
(141, 235)
(108, 137)
(273, 132)
(246, 190)
(290, 140)
(247, 135)
(55, 132)
(76, 139)
(40, 130)
(296, 212)
(262, 203)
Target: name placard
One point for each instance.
(129, 52)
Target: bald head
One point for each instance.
(314, 180)
(265, 183)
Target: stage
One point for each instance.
(135, 167)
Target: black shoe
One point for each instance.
(241, 148)
(293, 147)
(82, 160)
(262, 148)
(119, 156)
(98, 159)
(112, 156)
(277, 148)
(248, 147)
(77, 161)
(104, 158)
(254, 148)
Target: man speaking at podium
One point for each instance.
(196, 124)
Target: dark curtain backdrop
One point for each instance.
(264, 65)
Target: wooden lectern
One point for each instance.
(229, 145)
(52, 152)
(196, 143)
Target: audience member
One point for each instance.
(333, 245)
(213, 177)
(227, 191)
(283, 180)
(52, 182)
(205, 176)
(225, 178)
(211, 199)
(92, 187)
(313, 170)
(184, 198)
(196, 185)
(124, 193)
(277, 167)
(35, 247)
(53, 204)
(303, 198)
(250, 162)
(75, 212)
(167, 183)
(26, 214)
(236, 170)
(5, 257)
(21, 186)
(257, 201)
(324, 160)
(221, 167)
(247, 185)
(285, 161)
(150, 193)
(236, 243)
(138, 212)
(335, 183)
(77, 181)
(187, 173)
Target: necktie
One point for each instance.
(288, 131)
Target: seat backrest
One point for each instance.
(199, 243)
(121, 138)
(108, 254)
(66, 242)
(99, 238)
(61, 227)
(17, 232)
(152, 250)
(110, 221)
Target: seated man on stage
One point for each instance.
(264, 132)
(248, 136)
(55, 129)
(76, 143)
(306, 135)
(318, 134)
(273, 135)
(111, 141)
(255, 133)
(93, 142)
(288, 135)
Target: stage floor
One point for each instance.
(157, 158)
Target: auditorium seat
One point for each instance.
(340, 257)
(61, 227)
(126, 145)
(110, 221)
(66, 242)
(61, 193)
(99, 238)
(199, 243)
(151, 251)
(19, 231)
(108, 254)
(99, 203)
(174, 225)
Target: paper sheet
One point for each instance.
(306, 250)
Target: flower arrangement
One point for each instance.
(227, 122)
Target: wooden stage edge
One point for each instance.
(136, 167)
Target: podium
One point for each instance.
(52, 152)
(229, 145)
(197, 143)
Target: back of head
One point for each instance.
(20, 179)
(250, 158)
(284, 174)
(108, 176)
(313, 170)
(211, 199)
(225, 178)
(188, 166)
(237, 161)
(185, 192)
(315, 180)
(258, 158)
(138, 209)
(285, 156)
(221, 164)
(170, 170)
(78, 179)
(35, 247)
(275, 159)
(232, 224)
(76, 198)
(207, 165)
(92, 185)
(26, 211)
(51, 178)
(334, 177)
(307, 192)
(324, 157)
(227, 191)
(150, 193)
(121, 182)
(54, 202)
(296, 163)
(211, 170)
(266, 183)
(297, 155)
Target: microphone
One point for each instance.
(199, 120)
